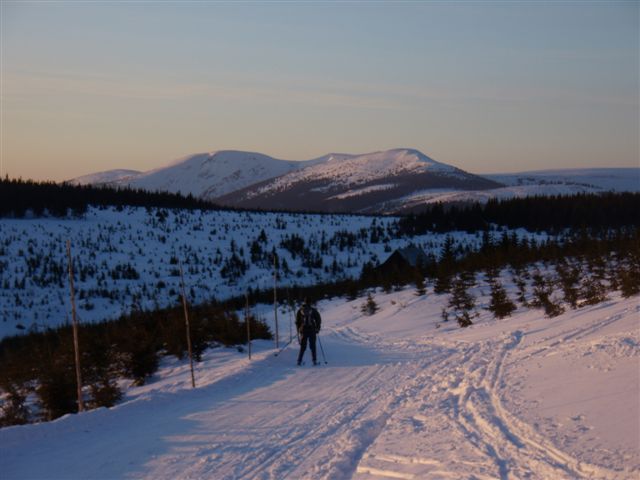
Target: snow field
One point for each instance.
(404, 395)
(33, 261)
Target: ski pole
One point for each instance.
(322, 350)
(283, 347)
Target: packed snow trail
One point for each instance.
(271, 420)
(395, 401)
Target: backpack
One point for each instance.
(308, 321)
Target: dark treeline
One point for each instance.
(551, 214)
(42, 363)
(17, 197)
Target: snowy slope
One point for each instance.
(603, 179)
(109, 176)
(526, 184)
(356, 183)
(418, 200)
(524, 397)
(106, 242)
(209, 175)
(361, 169)
(206, 175)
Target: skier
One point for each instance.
(308, 325)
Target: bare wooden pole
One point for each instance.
(76, 347)
(246, 320)
(290, 316)
(188, 328)
(275, 296)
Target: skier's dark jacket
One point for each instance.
(314, 321)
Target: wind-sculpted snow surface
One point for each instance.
(402, 396)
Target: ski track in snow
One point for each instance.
(385, 407)
(490, 441)
(337, 422)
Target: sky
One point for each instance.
(486, 86)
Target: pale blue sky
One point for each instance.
(485, 86)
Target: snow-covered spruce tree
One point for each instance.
(444, 268)
(461, 301)
(100, 371)
(491, 273)
(442, 282)
(519, 277)
(370, 306)
(597, 266)
(613, 273)
(464, 319)
(542, 290)
(629, 280)
(256, 252)
(569, 276)
(500, 304)
(57, 394)
(592, 290)
(104, 393)
(233, 267)
(138, 350)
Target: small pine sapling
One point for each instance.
(500, 304)
(569, 276)
(592, 290)
(370, 306)
(629, 281)
(461, 301)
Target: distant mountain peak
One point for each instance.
(356, 183)
(335, 181)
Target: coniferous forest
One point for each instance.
(21, 197)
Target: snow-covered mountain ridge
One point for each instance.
(356, 183)
(391, 181)
(104, 178)
(354, 170)
(605, 179)
(205, 175)
(337, 181)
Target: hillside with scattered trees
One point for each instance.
(549, 254)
